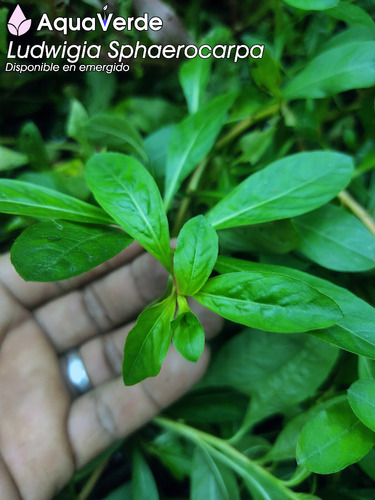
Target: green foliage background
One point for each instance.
(276, 413)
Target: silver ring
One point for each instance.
(76, 378)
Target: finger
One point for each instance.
(113, 411)
(8, 489)
(102, 304)
(34, 403)
(31, 294)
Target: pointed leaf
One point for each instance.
(195, 255)
(354, 332)
(188, 336)
(285, 445)
(194, 76)
(211, 480)
(127, 191)
(148, 342)
(354, 68)
(116, 133)
(53, 251)
(191, 140)
(333, 439)
(269, 301)
(10, 159)
(22, 198)
(292, 186)
(330, 237)
(361, 397)
(143, 481)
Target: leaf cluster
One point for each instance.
(265, 178)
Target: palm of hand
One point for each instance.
(44, 435)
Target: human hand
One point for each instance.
(44, 434)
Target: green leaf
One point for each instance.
(191, 140)
(292, 186)
(195, 255)
(173, 452)
(9, 159)
(156, 146)
(366, 368)
(352, 14)
(32, 144)
(260, 483)
(77, 119)
(22, 198)
(313, 4)
(333, 439)
(354, 68)
(361, 397)
(121, 493)
(275, 237)
(194, 76)
(285, 445)
(148, 342)
(269, 301)
(188, 336)
(143, 482)
(127, 191)
(116, 133)
(330, 236)
(211, 480)
(294, 367)
(354, 332)
(53, 251)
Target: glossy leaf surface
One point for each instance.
(195, 255)
(292, 186)
(354, 68)
(22, 198)
(361, 397)
(147, 343)
(333, 439)
(57, 250)
(191, 140)
(188, 336)
(330, 236)
(269, 301)
(127, 191)
(354, 332)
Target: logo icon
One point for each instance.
(105, 14)
(18, 24)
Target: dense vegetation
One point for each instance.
(267, 162)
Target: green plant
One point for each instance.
(264, 299)
(277, 174)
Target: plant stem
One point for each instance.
(259, 115)
(192, 186)
(357, 209)
(232, 134)
(298, 477)
(93, 479)
(246, 468)
(198, 436)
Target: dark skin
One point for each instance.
(45, 435)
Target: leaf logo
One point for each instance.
(18, 24)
